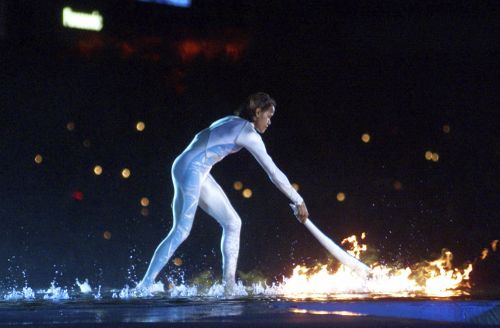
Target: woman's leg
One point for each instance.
(186, 195)
(214, 201)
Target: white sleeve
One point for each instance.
(252, 141)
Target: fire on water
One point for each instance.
(436, 278)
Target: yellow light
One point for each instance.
(125, 173)
(295, 186)
(145, 201)
(428, 155)
(446, 128)
(97, 170)
(177, 261)
(70, 126)
(365, 137)
(340, 196)
(238, 185)
(247, 193)
(140, 126)
(435, 157)
(38, 159)
(80, 20)
(106, 235)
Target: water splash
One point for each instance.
(55, 293)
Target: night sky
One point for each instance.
(416, 77)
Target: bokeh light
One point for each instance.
(365, 137)
(144, 211)
(145, 201)
(106, 235)
(77, 195)
(435, 157)
(97, 170)
(177, 261)
(340, 196)
(428, 155)
(38, 159)
(296, 186)
(446, 128)
(140, 126)
(397, 185)
(86, 143)
(247, 193)
(238, 185)
(70, 126)
(126, 173)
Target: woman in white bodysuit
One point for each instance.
(194, 185)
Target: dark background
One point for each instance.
(399, 71)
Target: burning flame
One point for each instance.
(437, 278)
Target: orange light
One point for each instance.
(247, 193)
(295, 186)
(365, 137)
(145, 201)
(70, 126)
(38, 159)
(177, 261)
(428, 155)
(126, 173)
(238, 185)
(397, 185)
(340, 196)
(140, 126)
(97, 170)
(435, 157)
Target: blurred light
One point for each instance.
(97, 170)
(428, 155)
(295, 186)
(70, 126)
(340, 196)
(144, 211)
(145, 201)
(126, 173)
(365, 137)
(446, 128)
(397, 185)
(363, 235)
(176, 3)
(177, 261)
(86, 143)
(82, 21)
(435, 157)
(77, 195)
(140, 126)
(494, 245)
(238, 185)
(38, 159)
(106, 235)
(247, 193)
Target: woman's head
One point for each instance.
(253, 102)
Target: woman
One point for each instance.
(194, 185)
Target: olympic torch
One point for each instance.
(337, 252)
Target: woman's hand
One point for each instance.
(302, 213)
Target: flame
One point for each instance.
(436, 278)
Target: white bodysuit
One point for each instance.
(194, 185)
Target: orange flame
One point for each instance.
(437, 278)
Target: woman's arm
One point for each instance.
(252, 141)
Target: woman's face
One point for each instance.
(262, 119)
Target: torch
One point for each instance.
(337, 252)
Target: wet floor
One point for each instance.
(254, 312)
